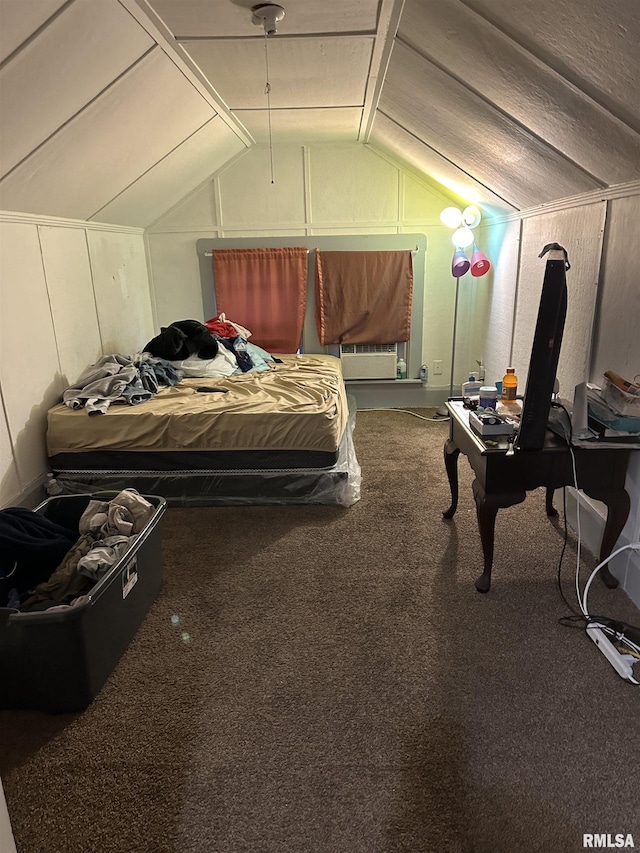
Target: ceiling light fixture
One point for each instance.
(269, 15)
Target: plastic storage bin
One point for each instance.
(620, 401)
(58, 661)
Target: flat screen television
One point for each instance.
(545, 350)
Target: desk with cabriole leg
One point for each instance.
(503, 480)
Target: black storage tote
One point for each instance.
(57, 661)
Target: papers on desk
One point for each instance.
(608, 427)
(597, 434)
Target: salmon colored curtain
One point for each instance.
(363, 297)
(264, 290)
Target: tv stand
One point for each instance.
(503, 479)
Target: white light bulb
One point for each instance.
(462, 238)
(471, 216)
(451, 217)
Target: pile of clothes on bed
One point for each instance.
(218, 347)
(184, 348)
(119, 378)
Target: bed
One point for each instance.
(281, 435)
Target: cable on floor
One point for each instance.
(406, 412)
(584, 619)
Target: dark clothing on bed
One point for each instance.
(181, 339)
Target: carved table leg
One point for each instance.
(486, 511)
(451, 453)
(618, 503)
(552, 512)
(487, 507)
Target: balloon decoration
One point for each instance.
(464, 221)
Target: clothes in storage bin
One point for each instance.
(58, 660)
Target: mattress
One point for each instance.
(290, 416)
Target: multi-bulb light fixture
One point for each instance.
(463, 222)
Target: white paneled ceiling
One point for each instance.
(325, 62)
(131, 118)
(118, 108)
(592, 44)
(100, 116)
(54, 68)
(21, 20)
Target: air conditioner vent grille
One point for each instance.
(368, 361)
(362, 349)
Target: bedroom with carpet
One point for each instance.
(256, 262)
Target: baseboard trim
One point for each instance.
(394, 393)
(625, 566)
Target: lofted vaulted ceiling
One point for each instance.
(116, 109)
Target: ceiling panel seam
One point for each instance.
(184, 39)
(390, 13)
(501, 111)
(562, 73)
(155, 27)
(299, 109)
(34, 35)
(146, 171)
(447, 159)
(605, 112)
(77, 113)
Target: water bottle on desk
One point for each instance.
(401, 369)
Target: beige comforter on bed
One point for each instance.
(297, 405)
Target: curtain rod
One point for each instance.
(413, 252)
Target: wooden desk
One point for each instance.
(503, 480)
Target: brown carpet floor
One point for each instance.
(333, 683)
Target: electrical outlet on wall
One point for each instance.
(437, 367)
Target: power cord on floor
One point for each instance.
(407, 412)
(614, 629)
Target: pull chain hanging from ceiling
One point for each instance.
(269, 15)
(267, 91)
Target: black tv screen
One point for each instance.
(545, 350)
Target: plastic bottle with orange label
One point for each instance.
(509, 387)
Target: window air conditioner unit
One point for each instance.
(369, 361)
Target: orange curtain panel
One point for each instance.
(264, 290)
(363, 297)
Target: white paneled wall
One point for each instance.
(67, 271)
(249, 201)
(501, 243)
(29, 364)
(617, 339)
(121, 287)
(317, 190)
(175, 261)
(68, 293)
(580, 231)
